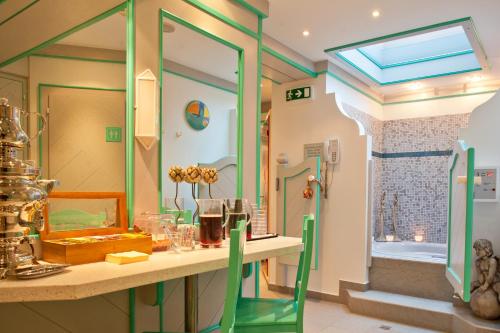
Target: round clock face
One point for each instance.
(197, 115)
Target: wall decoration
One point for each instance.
(197, 115)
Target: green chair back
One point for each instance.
(236, 247)
(304, 267)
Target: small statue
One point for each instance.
(485, 292)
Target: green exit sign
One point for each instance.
(298, 93)
(113, 134)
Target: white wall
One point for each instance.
(483, 134)
(193, 146)
(434, 108)
(344, 215)
(354, 98)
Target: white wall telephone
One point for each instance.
(332, 151)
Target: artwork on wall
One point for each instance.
(197, 115)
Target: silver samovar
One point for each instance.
(22, 195)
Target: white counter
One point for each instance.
(88, 280)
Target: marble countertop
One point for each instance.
(94, 279)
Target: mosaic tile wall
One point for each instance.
(420, 182)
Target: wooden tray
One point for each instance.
(75, 254)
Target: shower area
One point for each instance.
(410, 185)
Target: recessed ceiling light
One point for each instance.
(415, 85)
(305, 33)
(376, 13)
(475, 78)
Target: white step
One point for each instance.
(416, 311)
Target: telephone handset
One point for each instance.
(332, 151)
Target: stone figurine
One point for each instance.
(485, 291)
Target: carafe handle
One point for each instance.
(44, 123)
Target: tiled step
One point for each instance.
(416, 311)
(412, 278)
(432, 314)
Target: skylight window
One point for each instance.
(439, 50)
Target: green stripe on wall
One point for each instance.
(56, 56)
(18, 12)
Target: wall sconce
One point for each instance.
(146, 109)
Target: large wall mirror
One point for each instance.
(78, 84)
(200, 110)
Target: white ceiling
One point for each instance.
(334, 23)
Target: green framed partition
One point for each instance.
(130, 65)
(459, 270)
(164, 14)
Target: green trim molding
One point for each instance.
(252, 9)
(221, 17)
(289, 61)
(130, 113)
(64, 57)
(258, 116)
(18, 12)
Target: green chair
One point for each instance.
(257, 315)
(234, 276)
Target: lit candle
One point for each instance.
(419, 238)
(389, 238)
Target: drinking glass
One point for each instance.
(237, 210)
(211, 222)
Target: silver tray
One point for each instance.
(38, 271)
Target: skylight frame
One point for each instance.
(466, 23)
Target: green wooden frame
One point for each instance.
(164, 14)
(318, 207)
(130, 86)
(469, 222)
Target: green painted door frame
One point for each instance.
(164, 14)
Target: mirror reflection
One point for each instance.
(78, 85)
(199, 112)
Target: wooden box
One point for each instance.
(91, 244)
(56, 251)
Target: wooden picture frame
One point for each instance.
(121, 209)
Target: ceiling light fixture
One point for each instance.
(415, 85)
(475, 78)
(376, 13)
(305, 33)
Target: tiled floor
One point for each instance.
(327, 317)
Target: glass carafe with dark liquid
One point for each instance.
(211, 222)
(238, 210)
